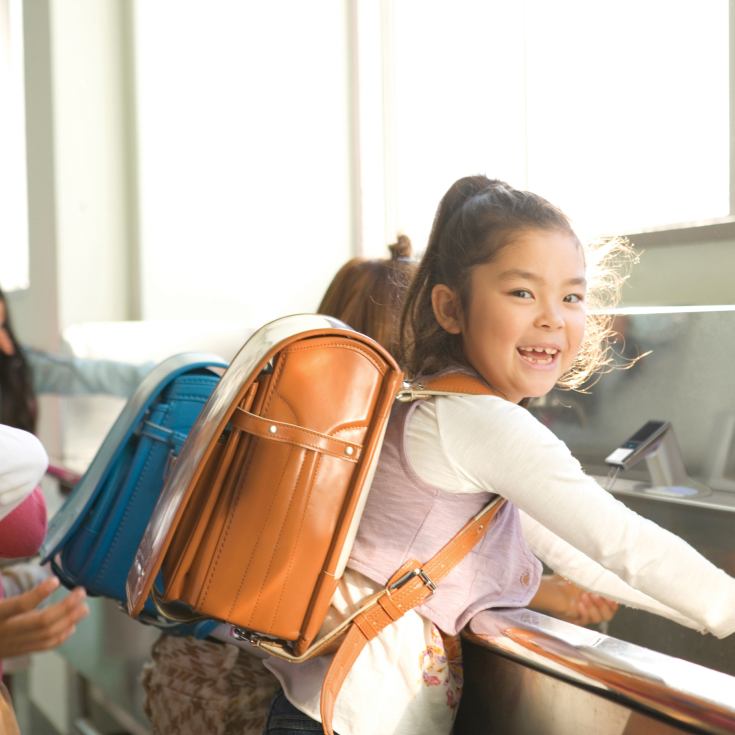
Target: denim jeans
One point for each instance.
(284, 719)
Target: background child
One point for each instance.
(502, 294)
(23, 628)
(212, 685)
(24, 373)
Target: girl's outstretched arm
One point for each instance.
(499, 447)
(79, 376)
(589, 575)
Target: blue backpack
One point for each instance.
(92, 539)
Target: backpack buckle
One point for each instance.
(245, 635)
(410, 392)
(425, 578)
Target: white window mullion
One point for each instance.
(370, 124)
(390, 133)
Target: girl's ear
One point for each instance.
(447, 309)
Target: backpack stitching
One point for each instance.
(280, 533)
(298, 535)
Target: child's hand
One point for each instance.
(558, 597)
(24, 629)
(586, 607)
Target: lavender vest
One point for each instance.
(406, 518)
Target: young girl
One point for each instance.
(501, 294)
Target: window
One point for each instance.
(618, 113)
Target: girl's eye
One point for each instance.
(522, 294)
(573, 298)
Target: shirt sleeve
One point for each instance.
(502, 448)
(78, 376)
(588, 574)
(23, 462)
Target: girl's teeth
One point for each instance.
(540, 362)
(547, 350)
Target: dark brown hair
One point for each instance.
(476, 218)
(368, 294)
(17, 398)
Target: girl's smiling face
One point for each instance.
(526, 315)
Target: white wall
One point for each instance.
(243, 130)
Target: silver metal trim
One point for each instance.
(676, 689)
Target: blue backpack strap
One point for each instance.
(67, 519)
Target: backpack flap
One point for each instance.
(68, 518)
(255, 515)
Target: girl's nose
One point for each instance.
(550, 318)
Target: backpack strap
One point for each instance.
(453, 384)
(414, 582)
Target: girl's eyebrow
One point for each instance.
(517, 273)
(529, 276)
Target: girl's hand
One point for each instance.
(24, 629)
(558, 597)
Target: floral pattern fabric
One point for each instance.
(441, 666)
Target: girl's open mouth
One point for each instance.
(539, 355)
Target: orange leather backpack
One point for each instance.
(256, 521)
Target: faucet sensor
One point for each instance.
(656, 442)
(643, 442)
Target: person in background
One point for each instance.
(24, 628)
(24, 373)
(367, 293)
